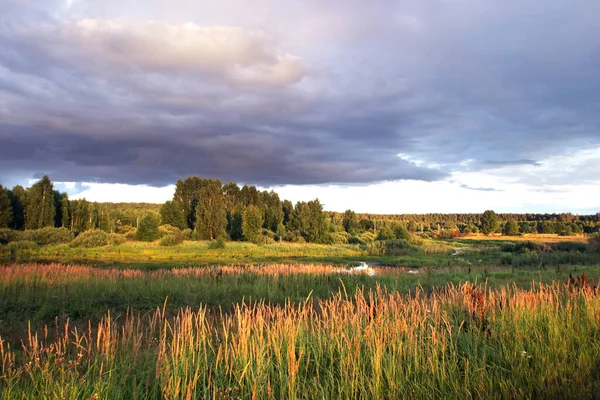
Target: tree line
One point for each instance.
(208, 209)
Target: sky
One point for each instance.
(404, 106)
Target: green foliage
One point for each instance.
(211, 215)
(6, 211)
(22, 245)
(386, 233)
(234, 223)
(273, 215)
(400, 232)
(167, 229)
(10, 235)
(294, 237)
(350, 222)
(594, 243)
(40, 208)
(172, 213)
(17, 203)
(171, 239)
(48, 236)
(252, 222)
(115, 239)
(95, 238)
(394, 247)
(511, 228)
(218, 243)
(311, 221)
(489, 222)
(339, 237)
(147, 230)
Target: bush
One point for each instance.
(147, 230)
(570, 246)
(594, 243)
(264, 239)
(91, 239)
(339, 237)
(218, 243)
(115, 239)
(9, 235)
(524, 247)
(124, 229)
(47, 236)
(130, 236)
(186, 233)
(22, 245)
(294, 237)
(171, 240)
(167, 229)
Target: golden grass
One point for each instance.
(463, 341)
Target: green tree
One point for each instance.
(511, 228)
(147, 230)
(211, 216)
(385, 233)
(171, 213)
(234, 223)
(350, 222)
(81, 215)
(188, 194)
(65, 207)
(313, 221)
(400, 231)
(252, 222)
(17, 203)
(489, 222)
(6, 212)
(273, 211)
(39, 208)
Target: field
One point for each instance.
(456, 318)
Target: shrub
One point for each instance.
(130, 236)
(94, 238)
(264, 239)
(294, 237)
(171, 240)
(186, 233)
(115, 239)
(124, 229)
(339, 237)
(9, 235)
(147, 230)
(22, 245)
(167, 229)
(570, 246)
(594, 243)
(46, 236)
(218, 243)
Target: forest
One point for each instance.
(207, 209)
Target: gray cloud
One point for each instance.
(326, 93)
(481, 189)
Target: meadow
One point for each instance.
(455, 318)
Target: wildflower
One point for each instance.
(525, 355)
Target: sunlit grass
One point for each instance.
(463, 341)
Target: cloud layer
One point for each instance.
(312, 93)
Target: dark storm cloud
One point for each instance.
(333, 98)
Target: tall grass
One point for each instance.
(462, 341)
